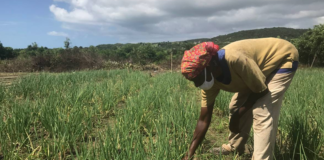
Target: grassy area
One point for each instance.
(123, 114)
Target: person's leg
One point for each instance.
(279, 85)
(262, 127)
(266, 113)
(237, 141)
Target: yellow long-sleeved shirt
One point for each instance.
(247, 63)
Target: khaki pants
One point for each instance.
(264, 115)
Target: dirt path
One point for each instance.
(8, 78)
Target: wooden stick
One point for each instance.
(313, 60)
(171, 60)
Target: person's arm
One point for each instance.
(206, 111)
(200, 131)
(235, 118)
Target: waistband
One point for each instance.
(287, 70)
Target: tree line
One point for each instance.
(310, 44)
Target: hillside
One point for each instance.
(285, 33)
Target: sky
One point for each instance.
(94, 22)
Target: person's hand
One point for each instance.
(234, 122)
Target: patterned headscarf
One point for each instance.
(197, 58)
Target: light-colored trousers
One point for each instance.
(264, 116)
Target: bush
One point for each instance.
(42, 62)
(17, 65)
(77, 61)
(66, 60)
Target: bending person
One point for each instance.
(258, 71)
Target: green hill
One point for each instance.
(284, 33)
(222, 40)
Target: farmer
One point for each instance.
(258, 71)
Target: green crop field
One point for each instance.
(123, 114)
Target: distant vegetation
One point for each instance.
(311, 46)
(35, 58)
(279, 32)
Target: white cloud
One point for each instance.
(156, 20)
(75, 16)
(306, 14)
(54, 33)
(320, 20)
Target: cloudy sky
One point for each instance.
(93, 22)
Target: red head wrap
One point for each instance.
(197, 58)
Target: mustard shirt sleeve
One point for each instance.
(249, 71)
(208, 97)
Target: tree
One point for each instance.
(6, 52)
(2, 52)
(32, 47)
(67, 43)
(311, 46)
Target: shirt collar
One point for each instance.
(225, 77)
